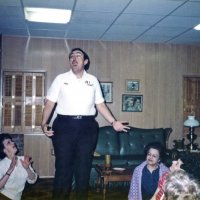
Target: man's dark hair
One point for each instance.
(4, 136)
(85, 56)
(155, 145)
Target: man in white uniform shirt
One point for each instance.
(75, 131)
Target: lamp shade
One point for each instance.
(191, 121)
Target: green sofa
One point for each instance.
(126, 149)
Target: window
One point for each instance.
(23, 97)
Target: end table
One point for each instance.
(112, 175)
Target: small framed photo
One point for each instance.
(132, 103)
(132, 85)
(107, 90)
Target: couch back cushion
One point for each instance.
(108, 141)
(133, 142)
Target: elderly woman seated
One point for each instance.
(146, 176)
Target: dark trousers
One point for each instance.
(74, 142)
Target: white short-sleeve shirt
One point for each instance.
(75, 96)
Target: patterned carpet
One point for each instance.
(42, 190)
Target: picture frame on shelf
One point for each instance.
(107, 90)
(132, 85)
(132, 103)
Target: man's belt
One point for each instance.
(76, 117)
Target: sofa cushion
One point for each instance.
(133, 142)
(108, 141)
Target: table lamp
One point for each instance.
(191, 122)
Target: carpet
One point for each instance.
(42, 190)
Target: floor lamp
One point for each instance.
(191, 122)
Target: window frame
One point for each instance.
(29, 79)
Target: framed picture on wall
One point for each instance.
(132, 85)
(132, 103)
(107, 88)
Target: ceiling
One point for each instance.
(149, 21)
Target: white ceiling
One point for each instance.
(149, 21)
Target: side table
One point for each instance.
(112, 175)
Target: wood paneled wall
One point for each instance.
(159, 67)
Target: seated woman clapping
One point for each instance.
(14, 170)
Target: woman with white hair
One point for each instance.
(177, 185)
(180, 186)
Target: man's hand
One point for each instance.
(121, 126)
(49, 105)
(47, 130)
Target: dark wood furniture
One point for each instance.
(191, 160)
(105, 176)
